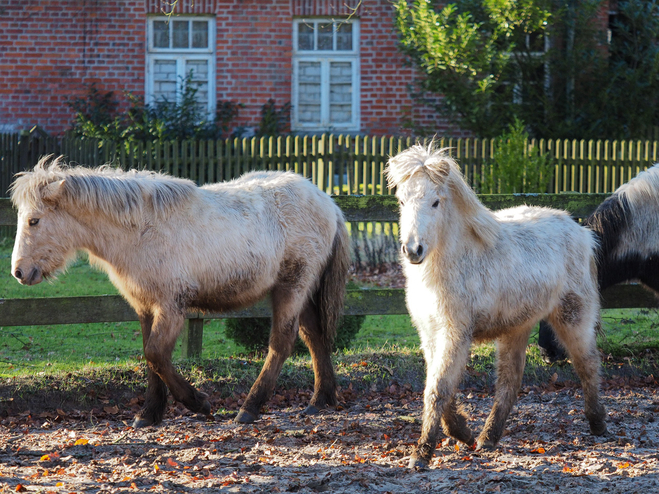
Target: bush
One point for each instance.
(254, 333)
(516, 166)
(97, 116)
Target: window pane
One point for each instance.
(308, 110)
(325, 32)
(180, 29)
(340, 92)
(199, 71)
(164, 80)
(160, 34)
(304, 36)
(344, 36)
(199, 34)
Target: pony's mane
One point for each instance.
(642, 191)
(124, 196)
(442, 169)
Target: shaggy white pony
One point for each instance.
(474, 275)
(170, 246)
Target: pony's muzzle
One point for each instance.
(31, 277)
(414, 252)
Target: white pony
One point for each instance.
(170, 246)
(473, 275)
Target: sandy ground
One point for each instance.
(362, 446)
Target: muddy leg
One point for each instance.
(158, 353)
(577, 334)
(320, 347)
(285, 326)
(156, 392)
(445, 363)
(454, 423)
(511, 358)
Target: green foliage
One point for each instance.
(274, 121)
(464, 53)
(517, 167)
(97, 116)
(632, 89)
(254, 333)
(546, 62)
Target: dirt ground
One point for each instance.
(362, 446)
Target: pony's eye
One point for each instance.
(33, 221)
(435, 204)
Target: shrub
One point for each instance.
(254, 333)
(97, 116)
(516, 166)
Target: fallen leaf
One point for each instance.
(81, 442)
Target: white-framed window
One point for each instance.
(176, 48)
(325, 75)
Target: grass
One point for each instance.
(115, 347)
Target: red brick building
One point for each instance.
(337, 65)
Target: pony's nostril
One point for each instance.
(403, 248)
(18, 274)
(419, 251)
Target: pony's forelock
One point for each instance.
(124, 196)
(436, 163)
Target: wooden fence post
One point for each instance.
(192, 337)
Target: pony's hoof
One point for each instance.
(598, 428)
(244, 417)
(140, 422)
(311, 410)
(418, 463)
(485, 446)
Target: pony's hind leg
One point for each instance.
(320, 347)
(158, 353)
(285, 326)
(511, 358)
(575, 327)
(155, 400)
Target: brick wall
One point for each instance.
(51, 50)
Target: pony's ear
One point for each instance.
(52, 192)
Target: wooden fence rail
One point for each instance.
(338, 164)
(113, 308)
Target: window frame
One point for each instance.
(325, 58)
(181, 56)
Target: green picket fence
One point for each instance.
(338, 164)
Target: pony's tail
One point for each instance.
(330, 297)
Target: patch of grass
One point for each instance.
(628, 332)
(383, 331)
(384, 341)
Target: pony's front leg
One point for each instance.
(155, 400)
(511, 358)
(158, 350)
(445, 363)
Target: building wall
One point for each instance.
(52, 50)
